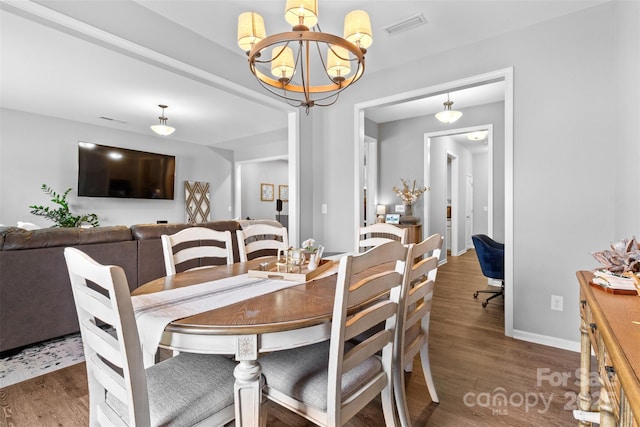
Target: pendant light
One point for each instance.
(448, 115)
(162, 128)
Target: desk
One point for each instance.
(607, 327)
(292, 317)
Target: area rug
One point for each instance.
(41, 359)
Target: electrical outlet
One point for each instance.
(324, 208)
(556, 302)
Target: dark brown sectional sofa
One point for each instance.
(36, 303)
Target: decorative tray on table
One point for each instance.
(274, 270)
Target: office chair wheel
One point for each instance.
(485, 303)
(475, 294)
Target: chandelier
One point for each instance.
(308, 67)
(448, 115)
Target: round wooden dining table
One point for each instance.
(288, 318)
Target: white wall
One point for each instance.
(253, 174)
(38, 150)
(565, 65)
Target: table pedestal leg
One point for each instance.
(248, 386)
(248, 394)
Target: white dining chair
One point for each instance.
(379, 233)
(330, 382)
(415, 320)
(261, 240)
(193, 245)
(184, 390)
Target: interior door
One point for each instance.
(468, 212)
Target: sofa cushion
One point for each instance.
(14, 238)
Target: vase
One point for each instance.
(407, 217)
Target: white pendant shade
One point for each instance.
(282, 65)
(338, 62)
(163, 130)
(448, 116)
(357, 28)
(478, 135)
(250, 30)
(301, 12)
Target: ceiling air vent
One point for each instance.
(406, 24)
(113, 120)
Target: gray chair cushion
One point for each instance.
(302, 373)
(186, 389)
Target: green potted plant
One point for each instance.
(62, 216)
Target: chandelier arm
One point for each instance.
(306, 66)
(324, 65)
(263, 78)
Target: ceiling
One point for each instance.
(49, 72)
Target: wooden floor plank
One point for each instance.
(473, 364)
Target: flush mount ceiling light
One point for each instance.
(478, 135)
(162, 128)
(310, 67)
(448, 115)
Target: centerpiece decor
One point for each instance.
(409, 195)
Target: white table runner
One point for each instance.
(155, 311)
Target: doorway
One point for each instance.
(448, 149)
(505, 75)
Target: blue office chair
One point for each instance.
(491, 257)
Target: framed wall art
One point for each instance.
(266, 192)
(283, 193)
(197, 201)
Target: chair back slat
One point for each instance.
(374, 285)
(368, 348)
(100, 342)
(97, 303)
(368, 318)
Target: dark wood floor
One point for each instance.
(482, 377)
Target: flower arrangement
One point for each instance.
(409, 195)
(308, 245)
(62, 216)
(624, 256)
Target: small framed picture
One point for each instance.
(392, 218)
(399, 208)
(266, 192)
(283, 193)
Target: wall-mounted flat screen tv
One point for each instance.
(119, 172)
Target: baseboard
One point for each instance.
(460, 253)
(547, 340)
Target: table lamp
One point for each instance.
(381, 210)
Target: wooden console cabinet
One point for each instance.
(608, 326)
(415, 232)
